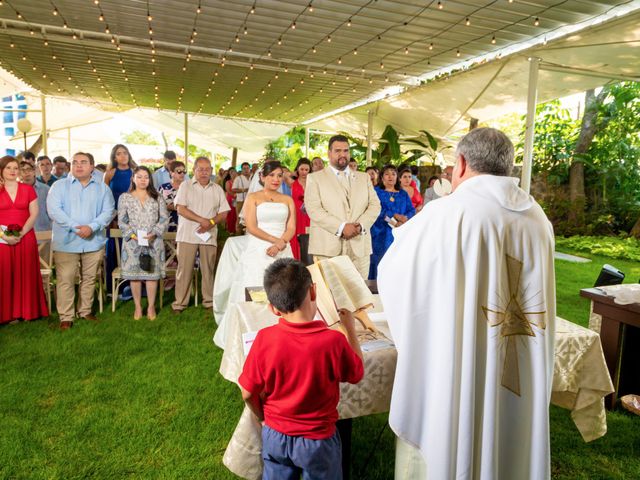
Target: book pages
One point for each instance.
(347, 286)
(324, 299)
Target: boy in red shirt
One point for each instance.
(291, 379)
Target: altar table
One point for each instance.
(581, 381)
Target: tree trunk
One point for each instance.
(590, 126)
(473, 123)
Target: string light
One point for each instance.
(431, 46)
(493, 40)
(349, 23)
(458, 53)
(467, 22)
(310, 7)
(536, 22)
(293, 26)
(280, 41)
(440, 5)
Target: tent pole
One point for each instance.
(306, 142)
(186, 140)
(369, 135)
(44, 124)
(532, 96)
(69, 142)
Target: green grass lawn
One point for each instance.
(139, 399)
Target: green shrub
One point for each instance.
(627, 248)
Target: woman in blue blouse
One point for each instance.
(396, 210)
(118, 178)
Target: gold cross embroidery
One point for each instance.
(514, 321)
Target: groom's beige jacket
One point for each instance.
(330, 203)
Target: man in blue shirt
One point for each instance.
(81, 208)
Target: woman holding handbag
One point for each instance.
(143, 218)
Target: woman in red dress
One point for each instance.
(409, 186)
(21, 291)
(231, 199)
(300, 242)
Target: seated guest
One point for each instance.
(45, 165)
(396, 210)
(140, 211)
(373, 173)
(169, 191)
(297, 400)
(21, 291)
(59, 167)
(28, 177)
(81, 208)
(408, 185)
(232, 216)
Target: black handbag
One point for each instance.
(145, 260)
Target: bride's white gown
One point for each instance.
(249, 272)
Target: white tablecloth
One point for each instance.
(581, 381)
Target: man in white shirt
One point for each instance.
(240, 187)
(201, 205)
(469, 293)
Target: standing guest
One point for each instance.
(28, 156)
(240, 188)
(373, 174)
(342, 206)
(408, 185)
(353, 165)
(287, 180)
(21, 292)
(142, 215)
(414, 175)
(232, 216)
(201, 206)
(28, 177)
(45, 165)
(300, 242)
(317, 164)
(430, 193)
(81, 208)
(169, 191)
(396, 210)
(118, 178)
(163, 174)
(469, 291)
(297, 400)
(221, 178)
(59, 167)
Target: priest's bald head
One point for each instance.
(483, 151)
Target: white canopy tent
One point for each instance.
(578, 62)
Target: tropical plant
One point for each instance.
(289, 148)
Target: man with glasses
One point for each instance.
(81, 207)
(201, 205)
(169, 191)
(28, 177)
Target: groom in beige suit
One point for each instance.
(342, 206)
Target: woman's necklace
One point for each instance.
(392, 196)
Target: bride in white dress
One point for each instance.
(271, 223)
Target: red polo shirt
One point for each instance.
(298, 367)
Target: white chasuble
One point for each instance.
(468, 288)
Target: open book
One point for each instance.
(339, 285)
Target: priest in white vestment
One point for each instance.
(468, 287)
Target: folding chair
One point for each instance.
(116, 275)
(46, 262)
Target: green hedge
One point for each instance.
(627, 248)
